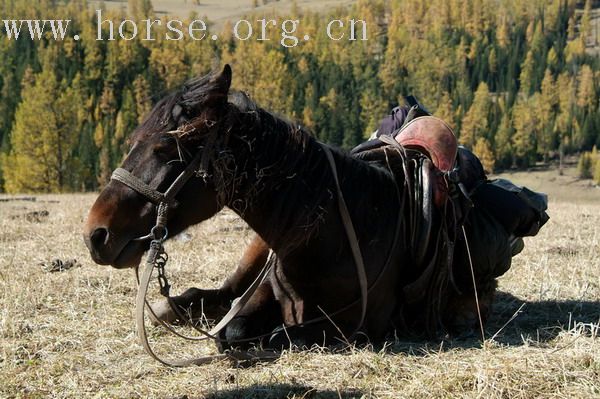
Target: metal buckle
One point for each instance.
(155, 233)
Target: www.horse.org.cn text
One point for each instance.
(265, 29)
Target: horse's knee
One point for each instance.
(254, 321)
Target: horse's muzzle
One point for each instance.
(105, 250)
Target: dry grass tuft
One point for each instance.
(71, 333)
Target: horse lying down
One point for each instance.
(406, 210)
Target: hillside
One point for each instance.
(219, 11)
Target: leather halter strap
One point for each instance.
(163, 201)
(136, 184)
(155, 196)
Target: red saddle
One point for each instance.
(433, 137)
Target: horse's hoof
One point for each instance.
(165, 313)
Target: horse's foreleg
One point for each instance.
(260, 315)
(214, 303)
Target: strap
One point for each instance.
(184, 176)
(155, 196)
(141, 327)
(352, 238)
(142, 304)
(135, 183)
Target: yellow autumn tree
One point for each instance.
(444, 109)
(547, 107)
(585, 88)
(484, 152)
(475, 122)
(44, 136)
(262, 71)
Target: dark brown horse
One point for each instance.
(277, 178)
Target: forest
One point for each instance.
(518, 80)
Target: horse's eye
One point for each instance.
(165, 143)
(166, 139)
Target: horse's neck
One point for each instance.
(283, 180)
(288, 189)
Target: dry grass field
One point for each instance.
(70, 334)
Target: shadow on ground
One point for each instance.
(533, 322)
(539, 321)
(276, 391)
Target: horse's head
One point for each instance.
(179, 130)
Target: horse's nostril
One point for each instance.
(99, 237)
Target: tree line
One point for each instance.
(517, 79)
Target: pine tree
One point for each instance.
(475, 123)
(43, 139)
(526, 79)
(143, 99)
(263, 73)
(565, 88)
(585, 88)
(552, 60)
(372, 110)
(484, 152)
(503, 34)
(526, 125)
(444, 109)
(503, 141)
(168, 63)
(547, 107)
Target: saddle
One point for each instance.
(436, 147)
(448, 189)
(433, 137)
(431, 149)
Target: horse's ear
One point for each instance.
(223, 80)
(203, 93)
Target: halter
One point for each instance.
(163, 200)
(157, 256)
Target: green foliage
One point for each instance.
(512, 77)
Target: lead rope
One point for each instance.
(157, 258)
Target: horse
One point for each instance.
(276, 176)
